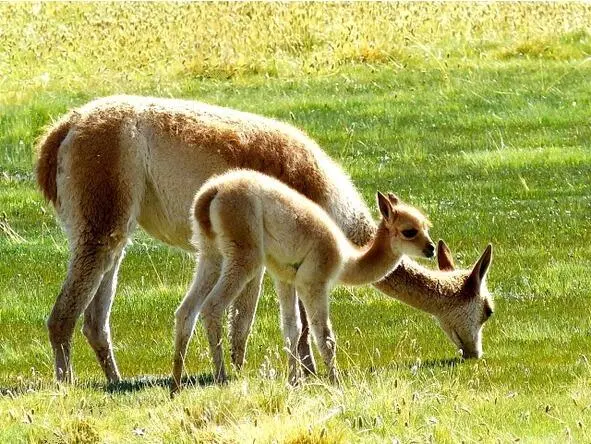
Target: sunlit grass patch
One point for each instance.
(524, 158)
(574, 45)
(82, 47)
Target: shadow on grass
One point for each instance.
(146, 382)
(436, 363)
(24, 388)
(125, 386)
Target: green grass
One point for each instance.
(494, 142)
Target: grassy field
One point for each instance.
(479, 113)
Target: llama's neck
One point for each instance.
(428, 290)
(372, 263)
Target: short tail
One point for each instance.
(202, 204)
(47, 149)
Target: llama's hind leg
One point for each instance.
(291, 325)
(315, 299)
(96, 321)
(304, 350)
(87, 267)
(206, 275)
(241, 316)
(99, 189)
(233, 278)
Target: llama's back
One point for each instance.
(185, 142)
(288, 223)
(222, 138)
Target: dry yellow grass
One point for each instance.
(77, 45)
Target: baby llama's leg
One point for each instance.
(290, 325)
(315, 299)
(241, 317)
(206, 275)
(234, 276)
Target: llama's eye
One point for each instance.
(410, 233)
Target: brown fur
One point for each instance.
(96, 152)
(48, 147)
(202, 211)
(285, 158)
(459, 299)
(444, 257)
(373, 252)
(269, 151)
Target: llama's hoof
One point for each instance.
(295, 380)
(114, 378)
(175, 389)
(221, 379)
(334, 379)
(64, 376)
(308, 365)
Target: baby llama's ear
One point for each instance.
(444, 257)
(393, 198)
(385, 206)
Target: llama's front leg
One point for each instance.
(315, 299)
(241, 317)
(87, 267)
(207, 273)
(232, 280)
(291, 326)
(96, 322)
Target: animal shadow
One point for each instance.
(147, 382)
(437, 363)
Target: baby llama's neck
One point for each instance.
(372, 263)
(428, 290)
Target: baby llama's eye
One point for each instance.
(410, 233)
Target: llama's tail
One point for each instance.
(47, 149)
(202, 204)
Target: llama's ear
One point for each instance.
(393, 198)
(385, 206)
(481, 267)
(444, 258)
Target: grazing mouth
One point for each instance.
(465, 354)
(459, 343)
(474, 355)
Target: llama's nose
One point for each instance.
(429, 250)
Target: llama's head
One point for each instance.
(472, 305)
(408, 228)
